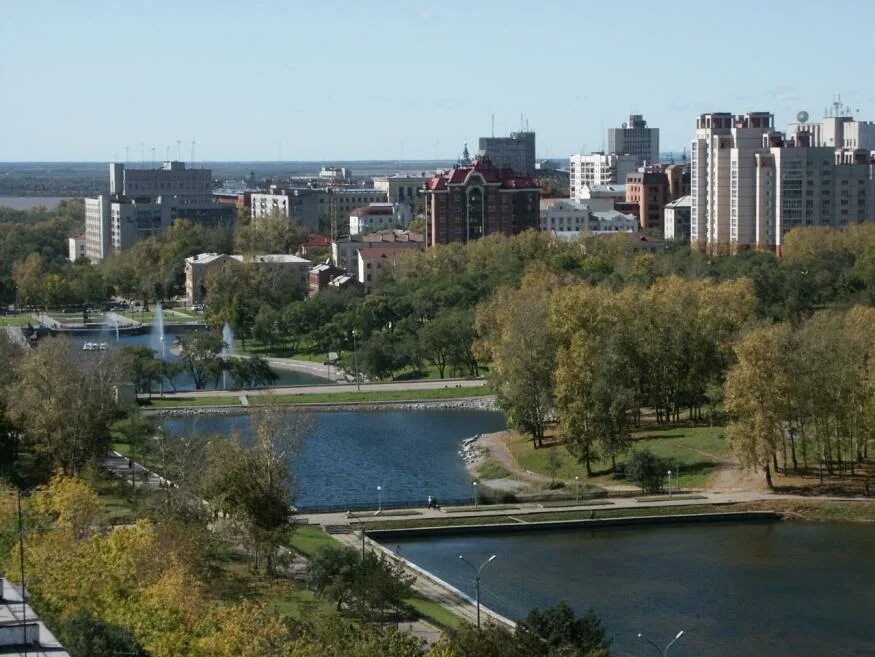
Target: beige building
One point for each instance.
(199, 268)
(343, 249)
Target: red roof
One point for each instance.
(318, 240)
(491, 174)
(366, 210)
(375, 252)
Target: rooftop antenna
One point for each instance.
(127, 155)
(191, 164)
(167, 153)
(521, 121)
(178, 150)
(153, 157)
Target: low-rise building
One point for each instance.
(321, 276)
(374, 262)
(199, 268)
(677, 220)
(343, 249)
(76, 247)
(403, 189)
(567, 219)
(601, 198)
(309, 206)
(378, 216)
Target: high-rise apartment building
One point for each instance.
(478, 199)
(144, 202)
(598, 169)
(516, 152)
(750, 184)
(635, 138)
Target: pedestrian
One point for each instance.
(430, 502)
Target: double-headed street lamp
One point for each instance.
(477, 580)
(664, 652)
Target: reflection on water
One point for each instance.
(345, 456)
(784, 589)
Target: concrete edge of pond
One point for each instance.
(483, 403)
(547, 525)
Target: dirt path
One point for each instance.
(493, 447)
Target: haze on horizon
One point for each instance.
(263, 81)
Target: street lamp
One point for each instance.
(577, 489)
(669, 483)
(350, 514)
(476, 497)
(656, 647)
(355, 360)
(477, 580)
(379, 499)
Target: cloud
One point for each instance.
(424, 14)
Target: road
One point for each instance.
(430, 384)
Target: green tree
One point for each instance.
(556, 631)
(647, 470)
(200, 354)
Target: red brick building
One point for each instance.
(477, 199)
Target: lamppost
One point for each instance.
(476, 497)
(477, 580)
(669, 483)
(656, 647)
(577, 489)
(355, 360)
(379, 499)
(350, 514)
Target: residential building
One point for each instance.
(378, 216)
(374, 262)
(676, 220)
(76, 247)
(403, 189)
(515, 152)
(343, 249)
(678, 180)
(636, 139)
(199, 268)
(145, 202)
(599, 169)
(650, 192)
(335, 174)
(837, 131)
(750, 184)
(478, 199)
(723, 176)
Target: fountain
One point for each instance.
(227, 350)
(156, 335)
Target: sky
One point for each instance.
(389, 80)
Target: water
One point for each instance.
(184, 381)
(156, 335)
(345, 456)
(786, 589)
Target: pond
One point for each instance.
(344, 456)
(786, 589)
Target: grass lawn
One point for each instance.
(480, 507)
(17, 320)
(117, 504)
(308, 539)
(697, 450)
(434, 612)
(493, 470)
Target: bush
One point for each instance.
(647, 470)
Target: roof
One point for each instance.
(205, 258)
(682, 202)
(373, 253)
(318, 240)
(283, 258)
(614, 215)
(607, 189)
(11, 621)
(376, 209)
(491, 175)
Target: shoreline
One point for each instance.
(487, 403)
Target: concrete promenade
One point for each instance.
(430, 384)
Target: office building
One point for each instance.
(309, 207)
(650, 192)
(478, 199)
(636, 139)
(567, 219)
(145, 202)
(516, 152)
(599, 169)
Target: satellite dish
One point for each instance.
(802, 116)
(624, 126)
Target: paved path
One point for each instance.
(431, 384)
(122, 467)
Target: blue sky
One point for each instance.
(384, 80)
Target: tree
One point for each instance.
(252, 372)
(64, 401)
(201, 356)
(246, 629)
(647, 470)
(366, 585)
(516, 337)
(85, 635)
(142, 366)
(557, 630)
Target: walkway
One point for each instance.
(431, 384)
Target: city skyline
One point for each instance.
(400, 82)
